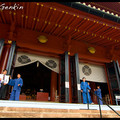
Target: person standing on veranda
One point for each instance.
(85, 89)
(17, 84)
(99, 94)
(89, 97)
(3, 87)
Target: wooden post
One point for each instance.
(4, 57)
(53, 85)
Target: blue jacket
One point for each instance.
(98, 92)
(15, 82)
(85, 85)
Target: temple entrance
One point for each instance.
(104, 91)
(36, 82)
(95, 75)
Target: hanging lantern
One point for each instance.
(42, 39)
(91, 50)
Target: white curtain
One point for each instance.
(26, 58)
(93, 73)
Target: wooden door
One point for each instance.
(75, 80)
(64, 78)
(114, 79)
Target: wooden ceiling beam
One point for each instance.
(117, 45)
(68, 32)
(59, 34)
(44, 25)
(22, 16)
(0, 19)
(113, 34)
(10, 13)
(86, 25)
(64, 32)
(14, 16)
(69, 42)
(51, 15)
(73, 20)
(35, 14)
(111, 44)
(108, 43)
(80, 36)
(65, 15)
(107, 32)
(101, 30)
(11, 19)
(26, 17)
(57, 21)
(74, 33)
(39, 15)
(70, 28)
(101, 37)
(11, 31)
(3, 18)
(88, 38)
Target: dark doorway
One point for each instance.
(34, 78)
(104, 91)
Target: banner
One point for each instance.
(93, 73)
(26, 58)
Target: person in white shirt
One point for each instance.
(3, 88)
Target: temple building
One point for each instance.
(55, 44)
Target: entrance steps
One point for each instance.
(25, 109)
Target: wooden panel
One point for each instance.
(22, 97)
(42, 96)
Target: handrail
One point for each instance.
(100, 105)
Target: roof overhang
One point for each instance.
(85, 8)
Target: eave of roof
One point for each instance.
(85, 8)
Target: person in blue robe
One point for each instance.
(17, 84)
(99, 94)
(89, 97)
(85, 89)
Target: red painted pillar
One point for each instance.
(53, 85)
(4, 57)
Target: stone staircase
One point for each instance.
(37, 109)
(21, 112)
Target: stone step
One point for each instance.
(12, 112)
(53, 115)
(80, 112)
(52, 105)
(53, 110)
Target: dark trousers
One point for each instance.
(3, 90)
